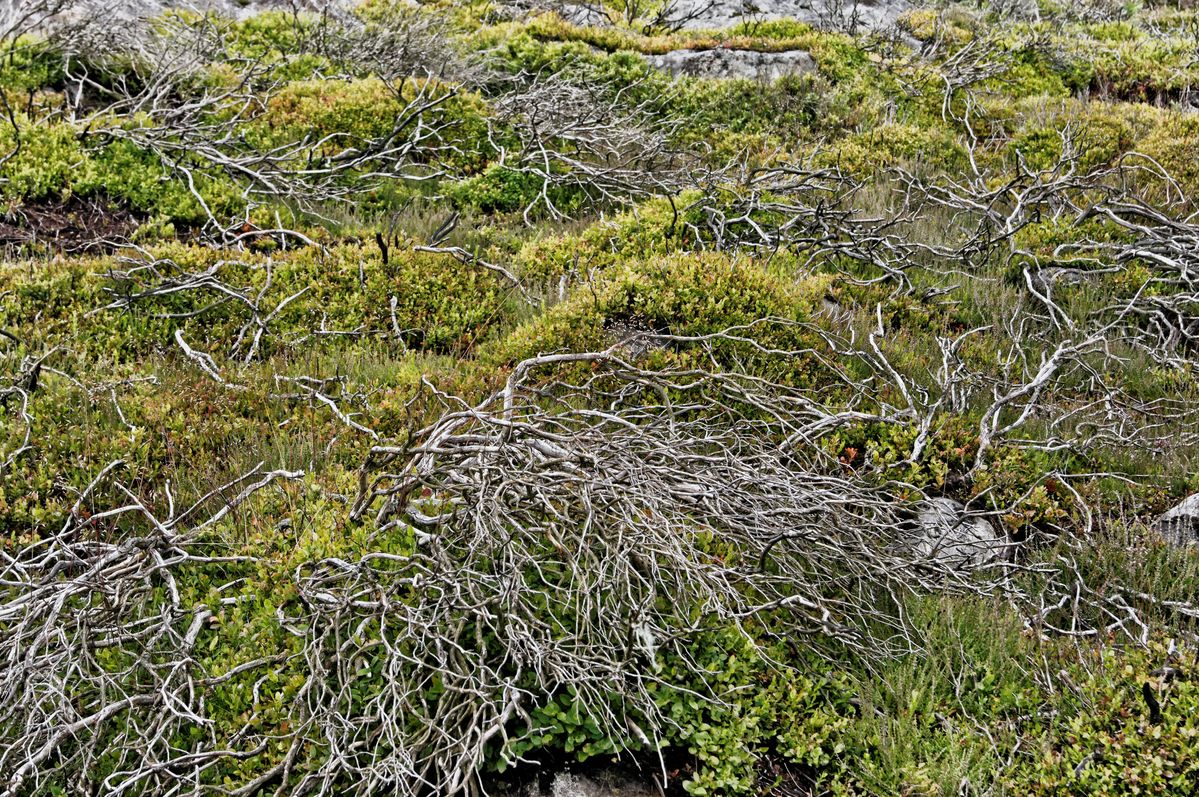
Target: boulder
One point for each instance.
(950, 535)
(727, 63)
(1180, 525)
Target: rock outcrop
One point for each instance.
(706, 14)
(566, 784)
(727, 63)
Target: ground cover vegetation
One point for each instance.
(399, 398)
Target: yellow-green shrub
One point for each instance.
(892, 144)
(347, 113)
(49, 160)
(1173, 145)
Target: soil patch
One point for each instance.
(77, 225)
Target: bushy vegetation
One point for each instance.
(249, 434)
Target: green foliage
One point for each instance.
(55, 161)
(953, 26)
(1173, 146)
(1131, 64)
(652, 228)
(1105, 739)
(563, 723)
(29, 64)
(787, 30)
(440, 305)
(891, 144)
(138, 179)
(786, 110)
(730, 708)
(886, 449)
(270, 35)
(725, 704)
(49, 159)
(502, 190)
(685, 295)
(921, 711)
(345, 114)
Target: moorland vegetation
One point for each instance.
(401, 397)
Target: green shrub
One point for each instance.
(654, 227)
(344, 114)
(1102, 735)
(440, 304)
(686, 295)
(500, 189)
(927, 24)
(892, 144)
(29, 64)
(787, 110)
(48, 163)
(731, 708)
(725, 704)
(1173, 146)
(682, 294)
(55, 161)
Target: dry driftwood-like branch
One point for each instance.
(645, 505)
(146, 81)
(98, 643)
(148, 279)
(586, 139)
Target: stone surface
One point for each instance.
(595, 781)
(1180, 525)
(567, 784)
(948, 534)
(706, 14)
(725, 63)
(110, 15)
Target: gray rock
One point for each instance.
(948, 534)
(566, 784)
(724, 63)
(1180, 525)
(708, 15)
(596, 782)
(583, 14)
(110, 14)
